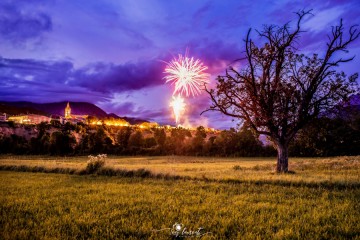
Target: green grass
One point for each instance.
(63, 206)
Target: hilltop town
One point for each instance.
(35, 116)
(70, 116)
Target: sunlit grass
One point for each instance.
(336, 169)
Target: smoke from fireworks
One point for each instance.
(189, 77)
(178, 106)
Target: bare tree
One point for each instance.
(279, 91)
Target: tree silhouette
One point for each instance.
(279, 91)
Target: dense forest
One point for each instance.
(324, 137)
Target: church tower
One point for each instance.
(68, 111)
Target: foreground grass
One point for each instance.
(38, 205)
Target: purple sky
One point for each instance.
(111, 52)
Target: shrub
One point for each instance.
(95, 163)
(236, 167)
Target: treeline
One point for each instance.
(325, 137)
(328, 137)
(81, 139)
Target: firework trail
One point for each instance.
(178, 106)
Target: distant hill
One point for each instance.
(128, 119)
(57, 108)
(13, 110)
(134, 120)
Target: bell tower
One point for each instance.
(68, 111)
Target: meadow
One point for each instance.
(232, 198)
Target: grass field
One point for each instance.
(319, 201)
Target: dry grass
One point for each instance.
(309, 170)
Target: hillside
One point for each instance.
(57, 108)
(13, 110)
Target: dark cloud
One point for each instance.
(17, 25)
(15, 71)
(40, 81)
(108, 77)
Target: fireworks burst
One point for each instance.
(178, 106)
(187, 74)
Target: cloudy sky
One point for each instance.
(112, 52)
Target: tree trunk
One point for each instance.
(282, 158)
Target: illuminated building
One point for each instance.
(68, 111)
(29, 119)
(68, 117)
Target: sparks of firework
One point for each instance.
(188, 74)
(178, 106)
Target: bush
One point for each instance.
(95, 163)
(237, 167)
